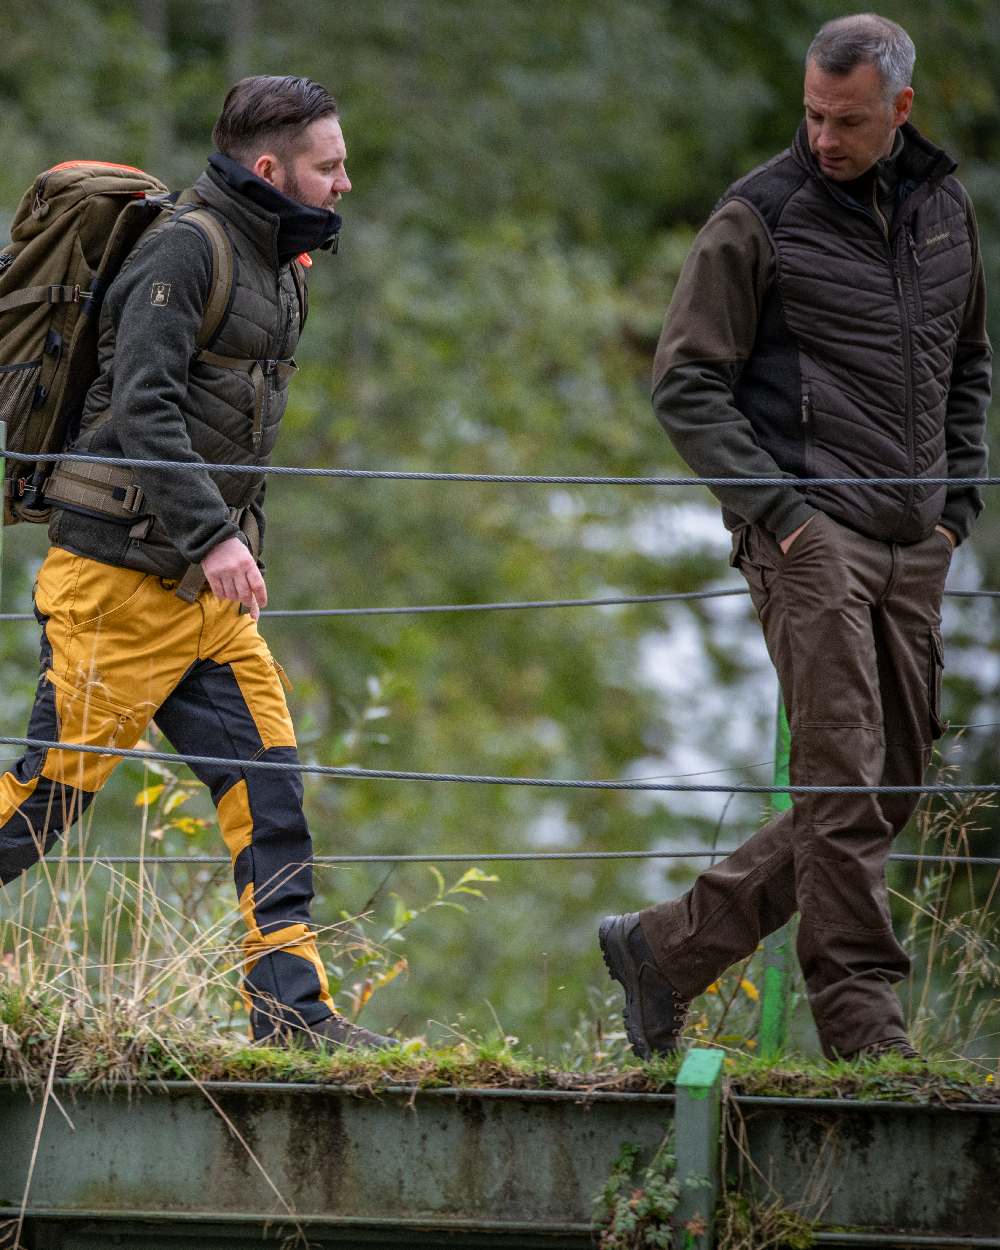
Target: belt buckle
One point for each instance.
(133, 498)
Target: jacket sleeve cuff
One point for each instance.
(959, 515)
(199, 551)
(792, 512)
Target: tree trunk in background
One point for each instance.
(159, 108)
(242, 28)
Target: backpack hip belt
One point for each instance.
(105, 488)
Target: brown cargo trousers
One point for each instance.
(853, 628)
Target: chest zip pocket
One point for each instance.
(262, 375)
(806, 418)
(918, 299)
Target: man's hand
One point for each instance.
(232, 573)
(952, 538)
(786, 543)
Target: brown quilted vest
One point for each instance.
(850, 372)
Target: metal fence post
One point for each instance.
(697, 1122)
(779, 947)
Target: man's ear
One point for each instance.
(902, 106)
(268, 167)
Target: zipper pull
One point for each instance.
(913, 247)
(806, 408)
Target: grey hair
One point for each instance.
(866, 39)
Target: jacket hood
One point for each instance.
(281, 226)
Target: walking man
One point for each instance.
(149, 596)
(829, 322)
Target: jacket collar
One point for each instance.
(279, 226)
(919, 161)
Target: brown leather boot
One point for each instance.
(335, 1033)
(654, 1012)
(900, 1046)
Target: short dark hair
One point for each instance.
(866, 39)
(269, 113)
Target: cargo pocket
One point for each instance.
(262, 683)
(17, 394)
(84, 717)
(283, 677)
(935, 672)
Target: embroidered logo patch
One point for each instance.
(6, 260)
(937, 238)
(160, 295)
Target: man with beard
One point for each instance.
(150, 593)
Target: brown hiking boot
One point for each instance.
(336, 1033)
(654, 1012)
(900, 1046)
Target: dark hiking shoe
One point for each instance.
(654, 1012)
(336, 1033)
(900, 1046)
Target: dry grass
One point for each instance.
(142, 964)
(953, 935)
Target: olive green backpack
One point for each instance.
(73, 228)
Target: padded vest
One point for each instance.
(261, 323)
(850, 372)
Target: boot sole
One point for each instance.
(615, 958)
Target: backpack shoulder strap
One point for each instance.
(220, 295)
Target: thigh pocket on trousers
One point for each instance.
(935, 673)
(848, 892)
(261, 680)
(85, 716)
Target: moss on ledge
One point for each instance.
(121, 1046)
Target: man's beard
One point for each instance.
(294, 192)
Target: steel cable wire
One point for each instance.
(348, 772)
(417, 609)
(520, 479)
(466, 857)
(519, 605)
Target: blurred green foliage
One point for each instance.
(527, 178)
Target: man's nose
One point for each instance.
(342, 184)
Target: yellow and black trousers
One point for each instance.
(119, 648)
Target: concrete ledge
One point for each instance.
(473, 1164)
(884, 1168)
(182, 1165)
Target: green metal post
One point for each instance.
(779, 951)
(697, 1123)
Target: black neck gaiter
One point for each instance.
(300, 227)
